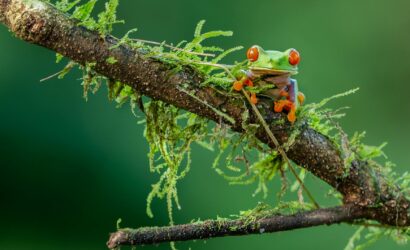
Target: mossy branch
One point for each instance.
(225, 227)
(363, 190)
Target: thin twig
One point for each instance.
(67, 67)
(173, 47)
(280, 149)
(217, 65)
(227, 227)
(269, 132)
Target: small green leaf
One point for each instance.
(84, 11)
(118, 223)
(111, 60)
(355, 237)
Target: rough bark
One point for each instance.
(219, 228)
(40, 23)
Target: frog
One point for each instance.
(275, 68)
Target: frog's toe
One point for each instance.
(292, 113)
(301, 98)
(292, 116)
(248, 82)
(254, 99)
(238, 85)
(280, 105)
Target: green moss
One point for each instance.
(111, 60)
(170, 131)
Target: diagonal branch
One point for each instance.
(40, 23)
(220, 228)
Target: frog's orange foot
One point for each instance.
(281, 104)
(287, 106)
(254, 99)
(248, 82)
(292, 115)
(301, 98)
(238, 85)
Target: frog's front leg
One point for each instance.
(245, 81)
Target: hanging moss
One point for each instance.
(240, 159)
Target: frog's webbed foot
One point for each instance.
(282, 104)
(288, 106)
(254, 99)
(238, 86)
(292, 113)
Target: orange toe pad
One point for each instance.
(238, 85)
(292, 116)
(301, 98)
(254, 99)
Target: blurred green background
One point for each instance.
(70, 168)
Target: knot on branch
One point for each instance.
(28, 21)
(394, 212)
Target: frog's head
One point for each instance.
(272, 62)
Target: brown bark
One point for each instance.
(220, 228)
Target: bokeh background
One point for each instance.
(69, 168)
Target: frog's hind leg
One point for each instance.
(288, 106)
(293, 99)
(292, 90)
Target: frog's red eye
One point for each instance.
(294, 57)
(252, 54)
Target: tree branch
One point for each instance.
(40, 23)
(219, 228)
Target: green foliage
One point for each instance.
(111, 60)
(170, 132)
(195, 54)
(353, 149)
(90, 80)
(66, 5)
(108, 18)
(263, 210)
(119, 220)
(372, 233)
(83, 13)
(262, 171)
(322, 119)
(355, 237)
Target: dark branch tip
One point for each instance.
(116, 239)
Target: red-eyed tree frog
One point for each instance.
(275, 68)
